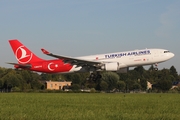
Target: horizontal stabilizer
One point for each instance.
(21, 65)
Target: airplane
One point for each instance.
(117, 61)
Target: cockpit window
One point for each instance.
(166, 51)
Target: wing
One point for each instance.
(73, 61)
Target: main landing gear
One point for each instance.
(94, 76)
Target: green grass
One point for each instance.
(88, 106)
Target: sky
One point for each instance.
(85, 27)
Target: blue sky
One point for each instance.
(85, 27)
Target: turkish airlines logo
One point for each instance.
(23, 55)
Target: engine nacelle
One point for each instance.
(123, 70)
(114, 66)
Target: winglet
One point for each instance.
(45, 51)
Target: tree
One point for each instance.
(111, 79)
(143, 83)
(46, 77)
(11, 80)
(173, 72)
(36, 85)
(129, 84)
(26, 75)
(136, 86)
(24, 79)
(164, 85)
(75, 87)
(139, 69)
(3, 71)
(121, 85)
(103, 86)
(1, 84)
(164, 82)
(76, 78)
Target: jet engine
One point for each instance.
(114, 66)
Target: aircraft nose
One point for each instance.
(171, 55)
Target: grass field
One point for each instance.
(89, 106)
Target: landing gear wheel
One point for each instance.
(94, 76)
(156, 69)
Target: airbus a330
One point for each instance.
(117, 61)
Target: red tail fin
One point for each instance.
(22, 53)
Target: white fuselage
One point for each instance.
(130, 58)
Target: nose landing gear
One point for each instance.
(156, 68)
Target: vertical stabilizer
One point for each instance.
(22, 53)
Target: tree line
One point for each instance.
(134, 80)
